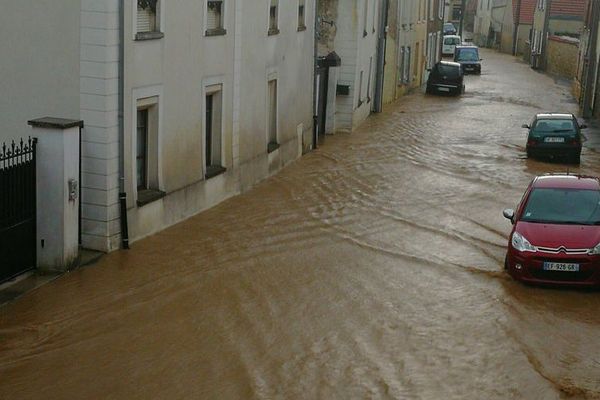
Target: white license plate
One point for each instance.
(554, 140)
(443, 89)
(567, 267)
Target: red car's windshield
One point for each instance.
(563, 206)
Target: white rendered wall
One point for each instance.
(100, 138)
(39, 67)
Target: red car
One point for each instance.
(555, 238)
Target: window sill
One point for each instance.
(214, 170)
(301, 28)
(147, 196)
(149, 36)
(273, 31)
(215, 32)
(272, 146)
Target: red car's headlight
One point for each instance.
(595, 250)
(521, 244)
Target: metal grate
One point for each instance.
(17, 208)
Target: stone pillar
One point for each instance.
(57, 192)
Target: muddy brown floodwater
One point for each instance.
(372, 268)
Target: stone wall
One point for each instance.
(563, 54)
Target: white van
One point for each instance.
(449, 43)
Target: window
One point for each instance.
(273, 17)
(400, 64)
(214, 18)
(360, 85)
(374, 14)
(441, 9)
(213, 133)
(365, 16)
(369, 79)
(147, 20)
(301, 15)
(272, 142)
(141, 155)
(146, 151)
(431, 13)
(456, 13)
(406, 63)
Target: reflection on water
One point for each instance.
(371, 268)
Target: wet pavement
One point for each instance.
(372, 268)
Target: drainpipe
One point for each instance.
(122, 193)
(463, 6)
(383, 21)
(592, 65)
(544, 58)
(315, 117)
(516, 29)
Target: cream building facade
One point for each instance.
(413, 44)
(349, 28)
(185, 103)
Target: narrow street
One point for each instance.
(371, 268)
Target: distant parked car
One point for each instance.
(555, 136)
(446, 77)
(468, 57)
(555, 239)
(449, 29)
(449, 44)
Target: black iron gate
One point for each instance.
(17, 208)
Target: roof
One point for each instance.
(450, 63)
(568, 8)
(565, 181)
(554, 116)
(527, 11)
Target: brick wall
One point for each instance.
(563, 55)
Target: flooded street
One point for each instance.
(372, 268)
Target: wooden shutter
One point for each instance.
(146, 20)
(214, 15)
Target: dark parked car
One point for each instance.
(446, 77)
(468, 57)
(555, 237)
(555, 136)
(449, 29)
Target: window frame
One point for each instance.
(301, 21)
(222, 29)
(147, 98)
(216, 165)
(272, 119)
(158, 31)
(273, 29)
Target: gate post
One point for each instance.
(57, 192)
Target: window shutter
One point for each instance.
(214, 14)
(145, 20)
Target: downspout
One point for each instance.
(122, 193)
(516, 29)
(381, 49)
(315, 89)
(463, 6)
(592, 65)
(545, 35)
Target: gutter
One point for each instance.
(122, 193)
